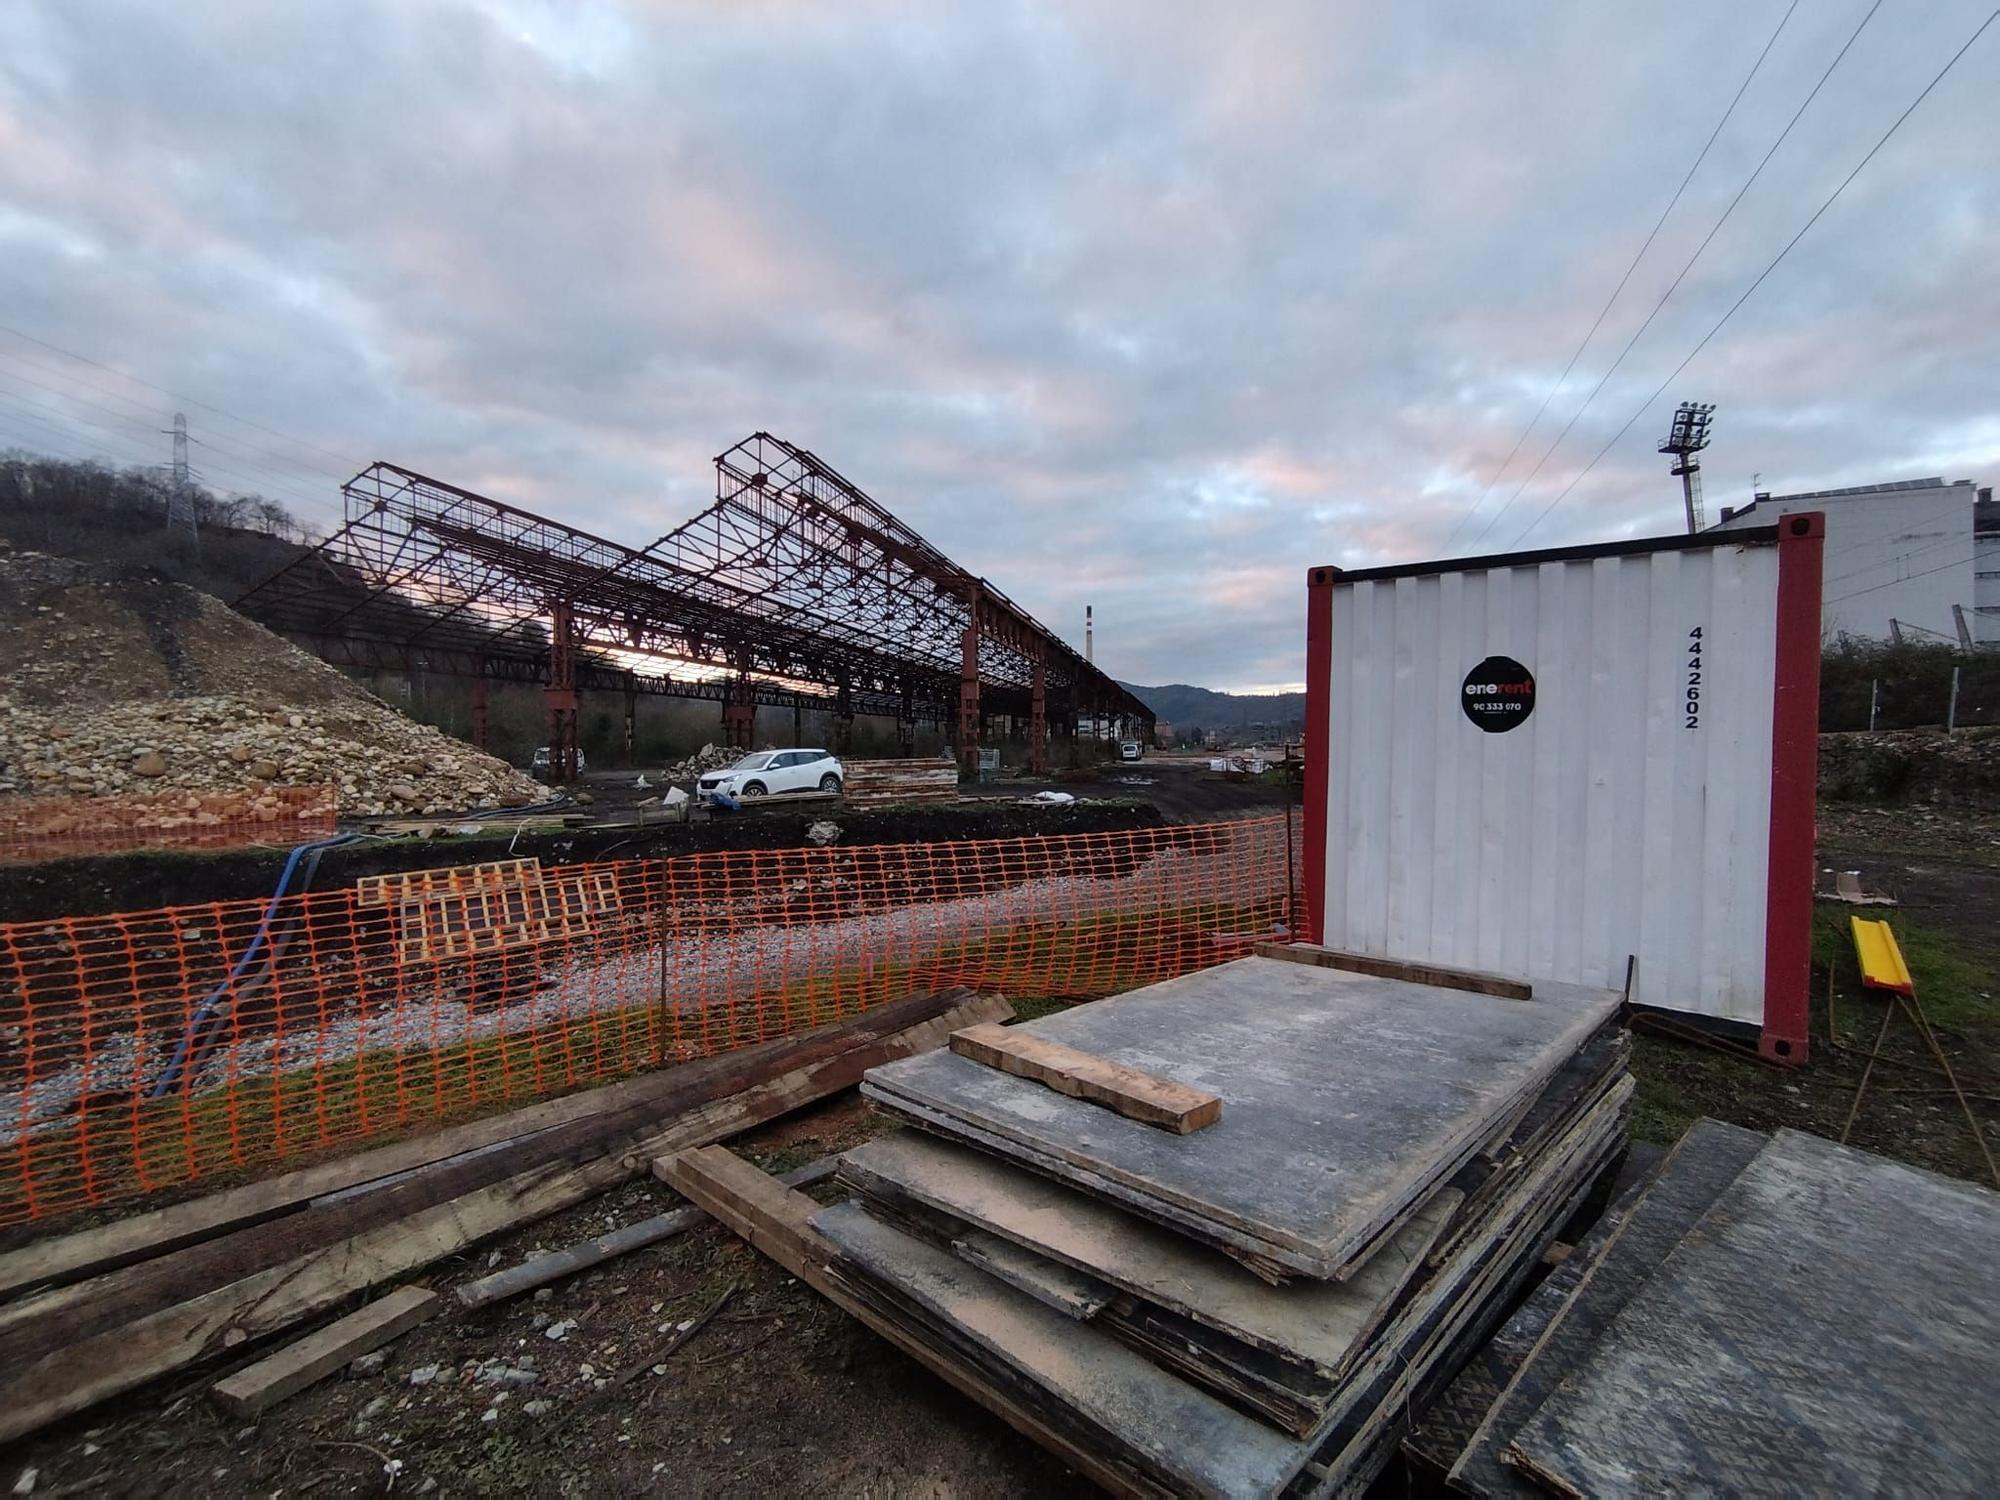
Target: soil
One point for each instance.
(149, 880)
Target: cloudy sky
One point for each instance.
(1143, 305)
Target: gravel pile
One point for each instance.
(123, 684)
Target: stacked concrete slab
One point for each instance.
(1777, 1316)
(1246, 1309)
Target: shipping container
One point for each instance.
(1592, 765)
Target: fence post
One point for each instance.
(1951, 712)
(1874, 694)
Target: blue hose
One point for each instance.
(206, 1011)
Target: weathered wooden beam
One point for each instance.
(258, 1387)
(1145, 1097)
(1472, 980)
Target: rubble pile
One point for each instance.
(1961, 769)
(121, 684)
(707, 758)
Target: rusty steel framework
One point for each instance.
(793, 588)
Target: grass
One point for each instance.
(1679, 1082)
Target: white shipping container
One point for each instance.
(1543, 765)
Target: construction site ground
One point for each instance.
(780, 1393)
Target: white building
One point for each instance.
(1986, 569)
(1898, 552)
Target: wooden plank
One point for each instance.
(1137, 1095)
(707, 1100)
(1473, 980)
(263, 1385)
(557, 1264)
(43, 1379)
(1190, 1440)
(781, 1228)
(108, 1246)
(773, 1218)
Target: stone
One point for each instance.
(264, 770)
(150, 763)
(368, 1364)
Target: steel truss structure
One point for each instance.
(794, 589)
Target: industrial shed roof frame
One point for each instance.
(793, 578)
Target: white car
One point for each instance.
(773, 773)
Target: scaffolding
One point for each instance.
(794, 588)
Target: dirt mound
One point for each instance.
(120, 682)
(1913, 765)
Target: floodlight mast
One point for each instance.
(1687, 437)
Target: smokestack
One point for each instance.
(1089, 637)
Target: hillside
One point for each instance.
(1185, 706)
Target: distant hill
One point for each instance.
(1185, 706)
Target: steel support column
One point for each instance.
(968, 691)
(631, 714)
(843, 719)
(1038, 720)
(906, 724)
(560, 695)
(739, 710)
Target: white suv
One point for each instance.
(774, 772)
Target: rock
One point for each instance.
(425, 1374)
(241, 754)
(822, 832)
(368, 1364)
(545, 1294)
(402, 791)
(264, 770)
(535, 1408)
(150, 763)
(25, 1485)
(559, 1331)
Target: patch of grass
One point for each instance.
(1957, 989)
(1034, 1007)
(1662, 1110)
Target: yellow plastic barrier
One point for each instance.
(1882, 966)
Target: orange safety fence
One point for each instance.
(148, 1050)
(33, 828)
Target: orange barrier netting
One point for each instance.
(145, 1050)
(33, 828)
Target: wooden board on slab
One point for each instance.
(1145, 1097)
(256, 1388)
(1475, 980)
(1349, 1098)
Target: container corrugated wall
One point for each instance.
(1629, 811)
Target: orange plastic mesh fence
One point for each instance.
(34, 828)
(146, 1050)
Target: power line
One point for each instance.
(285, 484)
(1603, 312)
(1907, 578)
(1776, 260)
(1674, 286)
(348, 463)
(152, 413)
